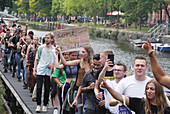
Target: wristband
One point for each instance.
(60, 85)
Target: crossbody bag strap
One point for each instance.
(124, 100)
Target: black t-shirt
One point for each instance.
(19, 50)
(108, 73)
(15, 40)
(137, 105)
(5, 42)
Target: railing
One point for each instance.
(157, 31)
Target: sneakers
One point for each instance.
(55, 111)
(38, 109)
(44, 109)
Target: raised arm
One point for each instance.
(114, 93)
(57, 64)
(67, 63)
(159, 74)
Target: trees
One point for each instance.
(23, 6)
(136, 10)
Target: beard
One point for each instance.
(95, 70)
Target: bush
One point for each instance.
(98, 33)
(104, 34)
(137, 36)
(115, 34)
(110, 31)
(123, 33)
(92, 31)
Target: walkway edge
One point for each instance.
(25, 108)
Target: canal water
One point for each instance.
(123, 51)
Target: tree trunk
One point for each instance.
(160, 21)
(135, 25)
(166, 9)
(95, 20)
(140, 24)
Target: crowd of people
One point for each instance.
(75, 82)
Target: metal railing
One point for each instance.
(157, 31)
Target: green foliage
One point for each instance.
(115, 34)
(98, 33)
(123, 33)
(104, 34)
(110, 31)
(92, 31)
(2, 109)
(56, 7)
(137, 36)
(23, 6)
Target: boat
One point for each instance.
(155, 43)
(137, 43)
(8, 17)
(164, 48)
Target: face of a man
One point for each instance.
(102, 58)
(8, 33)
(96, 64)
(140, 67)
(47, 40)
(119, 72)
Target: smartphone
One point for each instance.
(111, 57)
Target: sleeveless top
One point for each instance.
(71, 72)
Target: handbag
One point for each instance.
(123, 109)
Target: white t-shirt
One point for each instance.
(131, 87)
(46, 58)
(107, 95)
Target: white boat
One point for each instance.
(8, 17)
(164, 48)
(137, 43)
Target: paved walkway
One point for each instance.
(22, 95)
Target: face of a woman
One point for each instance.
(150, 91)
(35, 40)
(73, 56)
(84, 53)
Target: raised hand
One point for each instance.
(147, 47)
(103, 84)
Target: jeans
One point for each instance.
(79, 101)
(18, 57)
(46, 88)
(25, 72)
(5, 57)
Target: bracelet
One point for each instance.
(60, 85)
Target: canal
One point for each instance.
(123, 51)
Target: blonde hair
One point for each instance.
(90, 52)
(106, 52)
(159, 96)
